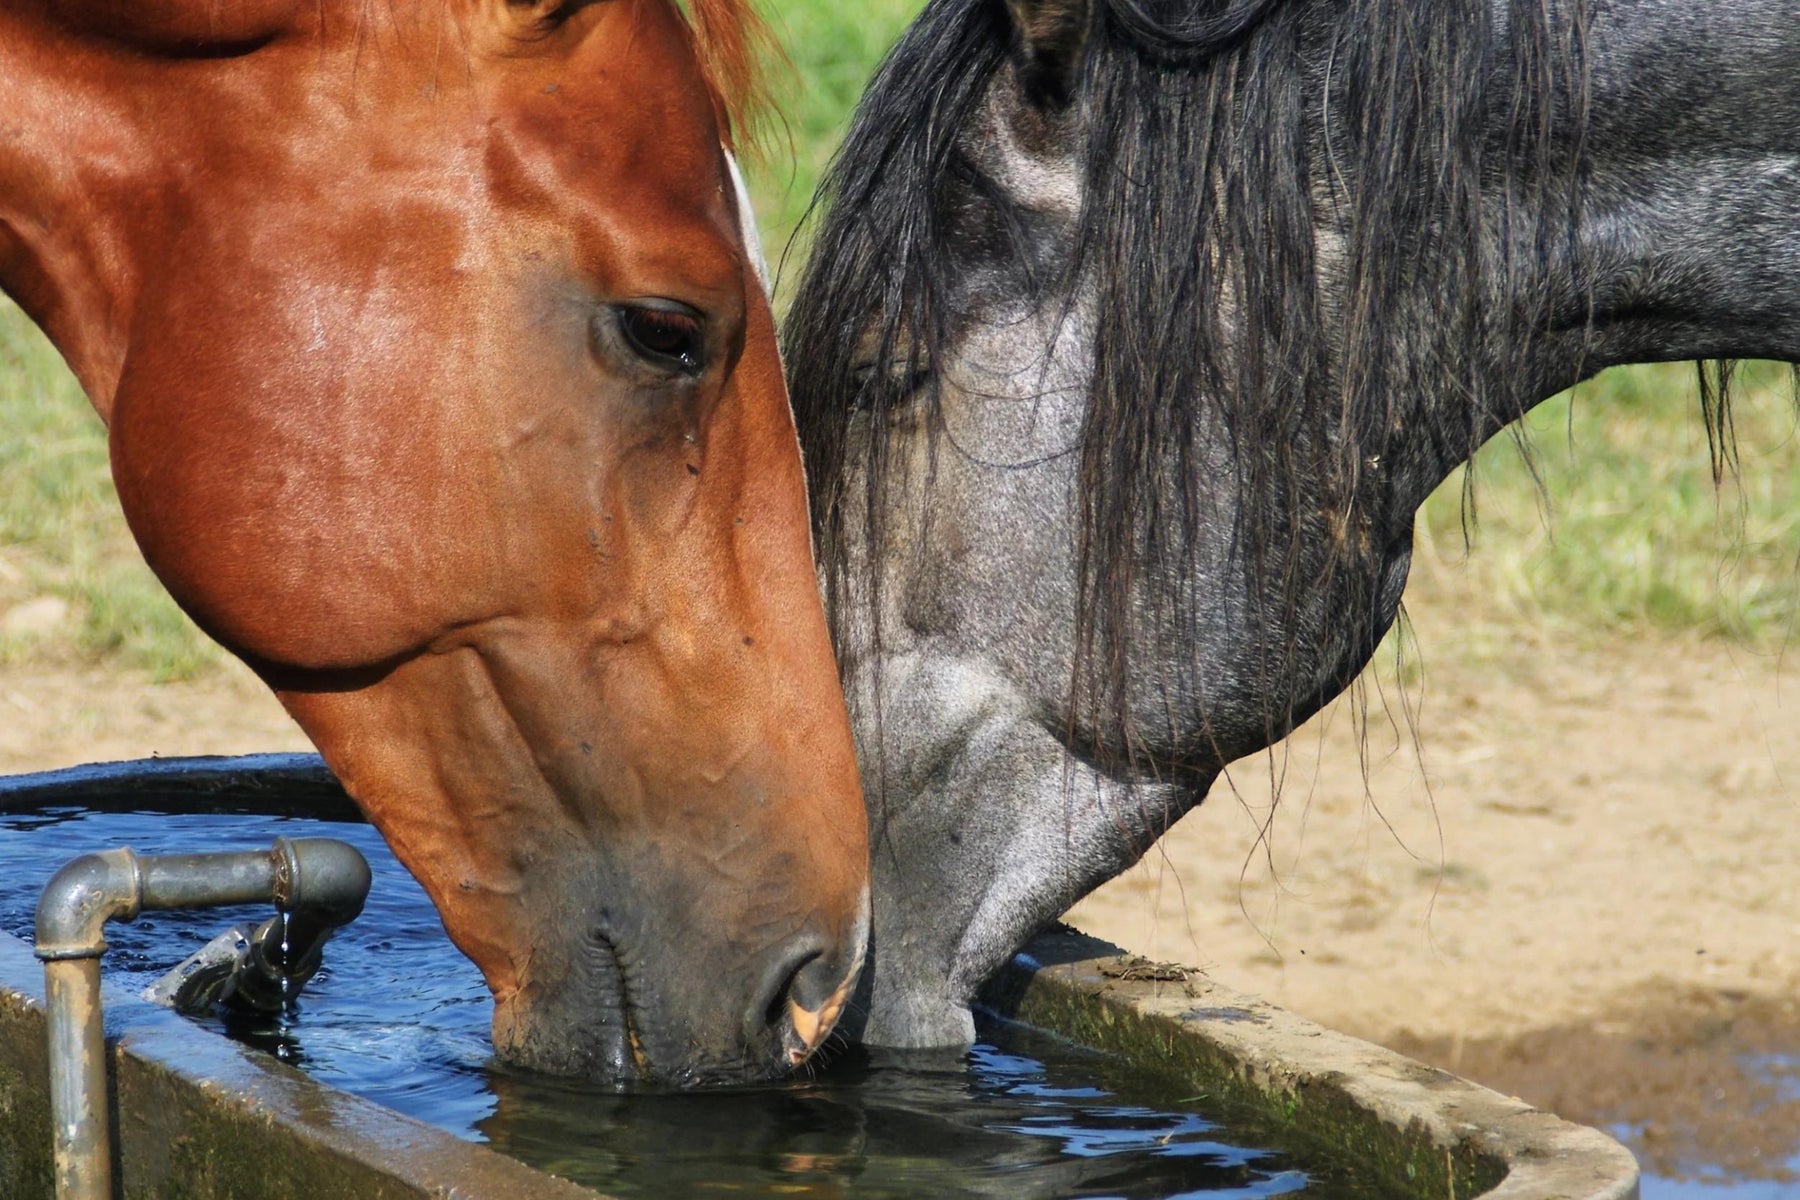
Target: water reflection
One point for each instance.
(1028, 1120)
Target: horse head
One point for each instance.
(1137, 331)
(441, 388)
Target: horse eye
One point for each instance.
(664, 336)
(900, 380)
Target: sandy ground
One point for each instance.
(1578, 825)
(60, 716)
(1586, 866)
(1579, 885)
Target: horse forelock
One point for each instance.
(735, 50)
(1289, 180)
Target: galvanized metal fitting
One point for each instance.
(322, 876)
(81, 898)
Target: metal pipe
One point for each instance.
(324, 878)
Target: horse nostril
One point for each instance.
(815, 1001)
(807, 998)
(775, 1012)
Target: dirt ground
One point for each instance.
(56, 717)
(1584, 891)
(1597, 822)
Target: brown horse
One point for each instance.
(441, 389)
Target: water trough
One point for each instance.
(197, 1115)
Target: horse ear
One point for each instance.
(1053, 38)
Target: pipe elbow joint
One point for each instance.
(81, 898)
(321, 876)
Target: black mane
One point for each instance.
(1221, 138)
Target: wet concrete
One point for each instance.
(194, 1116)
(1417, 1130)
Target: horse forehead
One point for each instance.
(635, 208)
(1032, 157)
(614, 123)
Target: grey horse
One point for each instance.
(1136, 332)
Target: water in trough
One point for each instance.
(397, 1016)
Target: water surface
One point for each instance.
(397, 1016)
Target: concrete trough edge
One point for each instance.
(283, 784)
(1418, 1130)
(198, 1115)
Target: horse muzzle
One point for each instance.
(637, 1005)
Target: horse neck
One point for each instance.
(1677, 237)
(1688, 227)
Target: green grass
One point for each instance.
(1626, 535)
(833, 48)
(1627, 532)
(61, 533)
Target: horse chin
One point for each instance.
(624, 1043)
(903, 1019)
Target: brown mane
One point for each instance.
(735, 48)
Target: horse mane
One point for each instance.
(735, 49)
(1211, 165)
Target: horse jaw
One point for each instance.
(984, 831)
